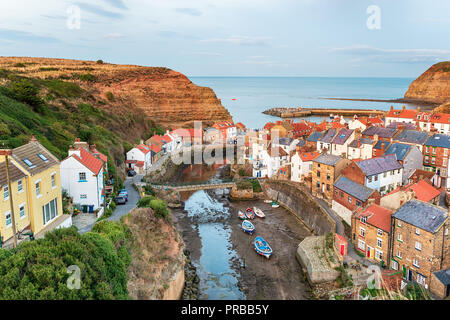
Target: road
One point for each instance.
(333, 215)
(133, 198)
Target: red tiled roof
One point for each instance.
(402, 113)
(139, 164)
(423, 191)
(95, 152)
(223, 125)
(240, 125)
(166, 138)
(143, 148)
(155, 148)
(89, 161)
(378, 216)
(309, 156)
(269, 125)
(440, 118)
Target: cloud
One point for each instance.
(114, 36)
(97, 10)
(189, 11)
(241, 40)
(368, 53)
(23, 36)
(117, 3)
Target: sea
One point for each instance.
(247, 97)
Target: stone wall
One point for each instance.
(300, 202)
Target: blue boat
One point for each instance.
(262, 247)
(241, 215)
(248, 227)
(249, 213)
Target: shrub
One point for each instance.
(244, 185)
(87, 77)
(20, 65)
(109, 96)
(256, 185)
(149, 190)
(160, 208)
(241, 172)
(145, 202)
(25, 91)
(99, 61)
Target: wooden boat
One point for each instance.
(259, 213)
(274, 204)
(248, 227)
(267, 201)
(249, 213)
(241, 215)
(262, 247)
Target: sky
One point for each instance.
(344, 38)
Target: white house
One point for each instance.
(287, 144)
(139, 158)
(341, 141)
(324, 143)
(301, 165)
(360, 148)
(82, 178)
(403, 115)
(270, 161)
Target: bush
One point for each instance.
(145, 202)
(149, 190)
(414, 291)
(87, 77)
(160, 208)
(109, 96)
(99, 61)
(244, 185)
(241, 172)
(25, 91)
(256, 185)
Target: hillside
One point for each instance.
(166, 96)
(432, 86)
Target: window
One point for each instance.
(328, 187)
(416, 263)
(399, 237)
(358, 203)
(83, 196)
(362, 232)
(328, 177)
(394, 265)
(5, 193)
(363, 219)
(376, 178)
(379, 254)
(54, 180)
(426, 159)
(8, 219)
(361, 245)
(28, 163)
(399, 223)
(418, 231)
(38, 188)
(418, 246)
(341, 194)
(399, 254)
(379, 232)
(421, 279)
(318, 174)
(22, 211)
(82, 176)
(44, 158)
(379, 243)
(50, 211)
(370, 179)
(384, 174)
(433, 160)
(349, 199)
(434, 150)
(20, 186)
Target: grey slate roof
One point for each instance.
(301, 143)
(439, 140)
(443, 276)
(412, 136)
(422, 215)
(354, 143)
(315, 136)
(284, 141)
(379, 165)
(15, 173)
(354, 189)
(328, 159)
(380, 131)
(399, 149)
(328, 135)
(342, 136)
(395, 125)
(380, 143)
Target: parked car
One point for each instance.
(120, 199)
(123, 193)
(131, 173)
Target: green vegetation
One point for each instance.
(145, 202)
(256, 185)
(414, 291)
(39, 269)
(241, 172)
(344, 280)
(159, 206)
(244, 185)
(148, 189)
(87, 77)
(48, 69)
(109, 96)
(99, 61)
(20, 65)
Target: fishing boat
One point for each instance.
(259, 212)
(262, 247)
(274, 204)
(248, 227)
(267, 201)
(241, 215)
(249, 213)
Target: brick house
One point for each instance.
(326, 169)
(371, 232)
(349, 196)
(409, 156)
(420, 241)
(379, 148)
(382, 174)
(440, 283)
(435, 158)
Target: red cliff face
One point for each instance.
(166, 96)
(432, 86)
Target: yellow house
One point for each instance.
(19, 194)
(42, 185)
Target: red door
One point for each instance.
(342, 249)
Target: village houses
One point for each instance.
(435, 158)
(301, 164)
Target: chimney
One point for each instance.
(141, 141)
(403, 107)
(74, 151)
(358, 133)
(375, 137)
(92, 147)
(382, 148)
(33, 138)
(359, 143)
(401, 127)
(418, 109)
(392, 108)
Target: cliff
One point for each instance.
(433, 86)
(168, 97)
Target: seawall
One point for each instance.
(301, 203)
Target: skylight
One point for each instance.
(44, 158)
(28, 162)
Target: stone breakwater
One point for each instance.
(306, 112)
(191, 279)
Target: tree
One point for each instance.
(25, 91)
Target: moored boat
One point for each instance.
(274, 204)
(259, 212)
(267, 201)
(262, 247)
(249, 213)
(241, 215)
(248, 227)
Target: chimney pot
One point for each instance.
(33, 138)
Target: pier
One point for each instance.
(306, 112)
